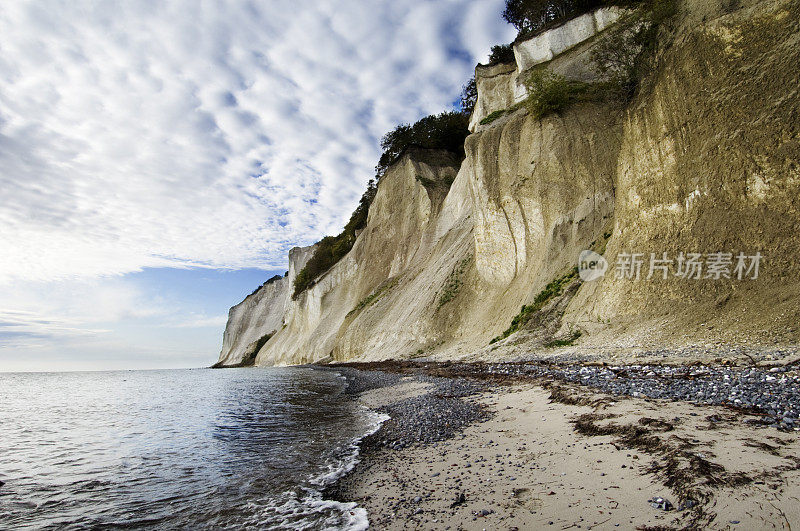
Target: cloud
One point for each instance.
(201, 321)
(219, 134)
(34, 314)
(26, 329)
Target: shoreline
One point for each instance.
(501, 446)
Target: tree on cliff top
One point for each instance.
(502, 54)
(445, 131)
(469, 97)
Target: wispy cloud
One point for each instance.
(219, 134)
(34, 313)
(26, 328)
(200, 321)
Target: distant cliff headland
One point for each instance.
(661, 135)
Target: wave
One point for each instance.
(306, 508)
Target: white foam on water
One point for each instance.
(307, 509)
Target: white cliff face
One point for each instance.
(259, 314)
(399, 235)
(550, 44)
(441, 269)
(497, 91)
(501, 86)
(450, 252)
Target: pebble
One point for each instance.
(419, 420)
(661, 503)
(774, 393)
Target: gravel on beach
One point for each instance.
(772, 395)
(433, 416)
(438, 413)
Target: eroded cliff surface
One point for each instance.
(710, 162)
(260, 315)
(706, 158)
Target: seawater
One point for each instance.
(178, 449)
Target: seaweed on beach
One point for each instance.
(572, 397)
(684, 471)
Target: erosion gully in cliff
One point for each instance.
(704, 159)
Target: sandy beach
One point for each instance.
(563, 456)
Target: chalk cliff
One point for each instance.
(705, 159)
(260, 314)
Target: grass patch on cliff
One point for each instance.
(551, 93)
(492, 117)
(551, 291)
(375, 296)
(453, 283)
(566, 342)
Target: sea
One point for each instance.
(178, 449)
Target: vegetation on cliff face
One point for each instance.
(549, 92)
(623, 56)
(531, 17)
(502, 54)
(375, 296)
(624, 53)
(269, 281)
(454, 282)
(445, 131)
(552, 290)
(331, 249)
(469, 96)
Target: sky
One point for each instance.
(158, 159)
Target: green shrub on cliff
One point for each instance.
(552, 290)
(493, 116)
(453, 283)
(549, 92)
(331, 249)
(624, 53)
(566, 342)
(445, 131)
